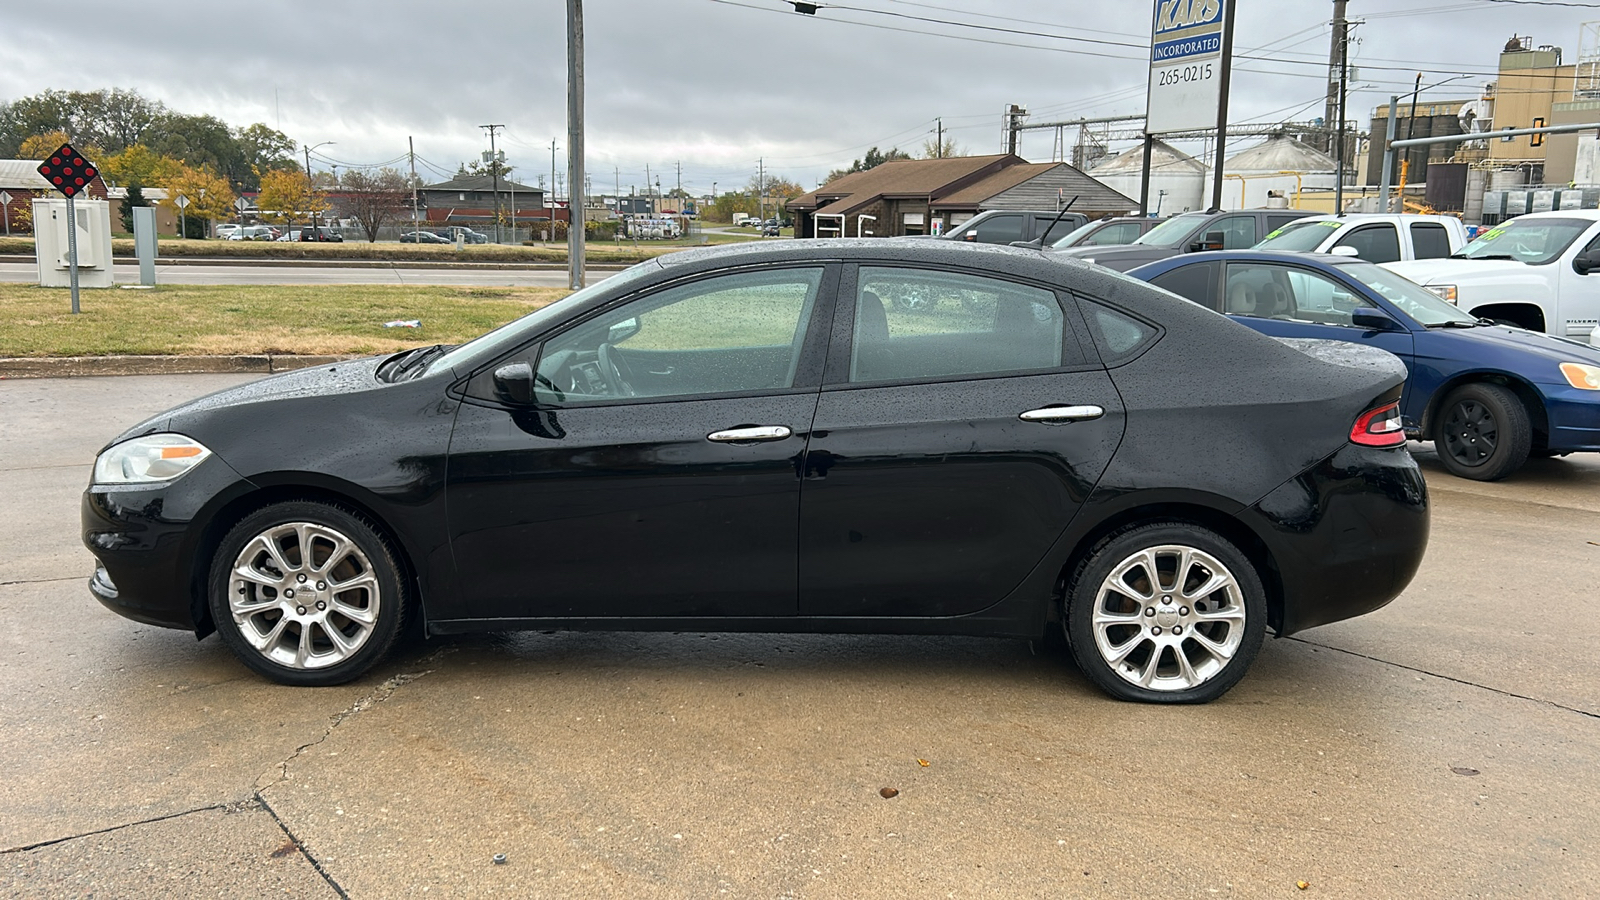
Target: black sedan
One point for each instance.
(757, 438)
(423, 237)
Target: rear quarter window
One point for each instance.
(1197, 282)
(1120, 336)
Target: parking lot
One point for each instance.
(1445, 746)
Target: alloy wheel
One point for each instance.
(304, 595)
(1169, 618)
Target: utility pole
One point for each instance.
(575, 178)
(1331, 107)
(761, 187)
(1344, 76)
(553, 197)
(1223, 86)
(1411, 129)
(1014, 114)
(679, 189)
(653, 209)
(939, 153)
(411, 150)
(494, 170)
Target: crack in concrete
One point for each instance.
(41, 580)
(225, 807)
(316, 864)
(1451, 678)
(379, 694)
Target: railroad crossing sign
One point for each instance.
(67, 171)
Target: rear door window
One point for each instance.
(1429, 240)
(1374, 243)
(914, 324)
(1238, 232)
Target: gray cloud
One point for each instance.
(714, 86)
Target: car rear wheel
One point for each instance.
(1483, 432)
(307, 593)
(1165, 613)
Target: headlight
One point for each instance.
(1584, 378)
(1445, 292)
(149, 459)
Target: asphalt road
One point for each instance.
(277, 274)
(1445, 746)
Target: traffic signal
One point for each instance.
(67, 171)
(1537, 140)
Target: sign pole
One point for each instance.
(1222, 106)
(72, 252)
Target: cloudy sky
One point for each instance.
(717, 85)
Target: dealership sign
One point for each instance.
(1185, 65)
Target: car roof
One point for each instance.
(1591, 214)
(1304, 258)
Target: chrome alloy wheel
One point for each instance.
(1168, 618)
(304, 595)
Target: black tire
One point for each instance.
(349, 584)
(1483, 432)
(1148, 641)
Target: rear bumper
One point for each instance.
(1347, 535)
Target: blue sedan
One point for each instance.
(1488, 395)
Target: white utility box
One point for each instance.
(94, 242)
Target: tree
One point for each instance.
(138, 164)
(135, 197)
(872, 160)
(932, 149)
(287, 197)
(41, 145)
(264, 149)
(493, 167)
(373, 199)
(209, 196)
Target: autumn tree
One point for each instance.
(287, 197)
(209, 195)
(374, 198)
(41, 145)
(932, 149)
(138, 164)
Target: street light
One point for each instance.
(314, 222)
(1411, 128)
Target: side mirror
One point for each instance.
(1212, 241)
(1586, 263)
(623, 330)
(1345, 251)
(513, 383)
(1373, 319)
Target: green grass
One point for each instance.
(257, 319)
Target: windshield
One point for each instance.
(1073, 236)
(1174, 231)
(1412, 299)
(1304, 236)
(1526, 240)
(481, 348)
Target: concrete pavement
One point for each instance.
(1445, 746)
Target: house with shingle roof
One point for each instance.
(927, 196)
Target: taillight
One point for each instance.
(1379, 427)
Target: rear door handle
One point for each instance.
(1058, 415)
(750, 433)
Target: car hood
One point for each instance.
(1121, 258)
(348, 377)
(1461, 271)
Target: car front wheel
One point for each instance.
(1483, 432)
(307, 593)
(1165, 613)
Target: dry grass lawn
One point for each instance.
(257, 319)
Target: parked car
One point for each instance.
(468, 236)
(1190, 233)
(1112, 231)
(1487, 395)
(423, 237)
(996, 226)
(253, 233)
(770, 229)
(693, 444)
(224, 229)
(321, 234)
(1532, 271)
(1376, 238)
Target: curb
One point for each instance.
(79, 366)
(341, 263)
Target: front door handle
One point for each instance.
(1059, 415)
(750, 433)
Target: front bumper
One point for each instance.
(146, 539)
(1347, 535)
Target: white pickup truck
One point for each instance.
(1532, 271)
(1376, 238)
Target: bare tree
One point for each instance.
(373, 198)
